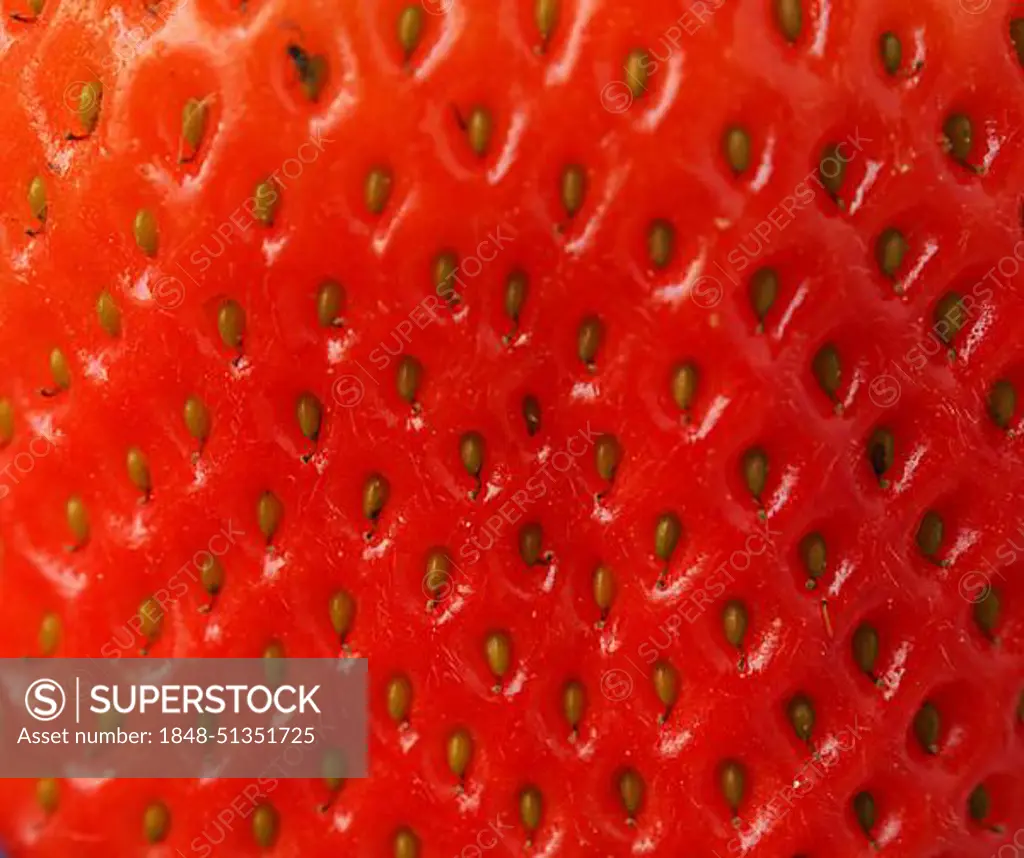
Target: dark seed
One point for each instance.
(631, 791)
(667, 532)
(666, 683)
(801, 716)
(864, 810)
(407, 844)
(789, 18)
(407, 378)
(588, 339)
(330, 300)
(959, 136)
(755, 471)
(269, 512)
(399, 699)
(574, 186)
(231, 324)
(155, 822)
(197, 418)
(410, 24)
(377, 189)
(763, 289)
(865, 648)
(498, 649)
(1002, 401)
(265, 823)
(471, 451)
(6, 422)
(607, 455)
(929, 533)
(827, 369)
(604, 588)
(342, 610)
(531, 414)
(478, 129)
(438, 576)
(812, 553)
(890, 250)
(309, 413)
(732, 780)
(979, 804)
(193, 122)
(515, 294)
(376, 491)
(684, 385)
(891, 51)
(926, 727)
(545, 16)
(109, 314)
(832, 169)
(531, 806)
(660, 241)
(986, 612)
(1017, 37)
(736, 147)
(734, 622)
(459, 752)
(635, 70)
(574, 703)
(145, 231)
(949, 317)
(530, 539)
(48, 794)
(446, 265)
(881, 451)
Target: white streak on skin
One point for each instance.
(272, 247)
(994, 144)
(453, 23)
(714, 412)
(669, 89)
(894, 675)
(674, 294)
(855, 382)
(585, 240)
(517, 124)
(889, 830)
(69, 583)
(561, 70)
(874, 168)
(407, 740)
(964, 541)
(913, 460)
(758, 660)
(844, 571)
(552, 846)
(766, 167)
(787, 317)
(609, 640)
(493, 490)
(761, 825)
(672, 744)
(585, 390)
(789, 479)
(341, 821)
(453, 606)
(585, 750)
(515, 685)
(382, 239)
(549, 579)
(469, 799)
(977, 334)
(272, 564)
(930, 249)
(821, 30)
(372, 552)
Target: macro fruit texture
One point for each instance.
(634, 383)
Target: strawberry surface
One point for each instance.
(721, 362)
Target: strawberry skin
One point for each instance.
(602, 180)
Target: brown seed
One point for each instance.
(332, 769)
(531, 414)
(197, 418)
(881, 447)
(6, 422)
(588, 339)
(78, 520)
(138, 470)
(631, 791)
(530, 543)
(959, 136)
(269, 512)
(927, 726)
(437, 579)
(445, 271)
(890, 251)
(399, 699)
(49, 634)
(666, 683)
(979, 804)
(891, 51)
(406, 843)
(407, 378)
(755, 471)
(515, 294)
(156, 821)
(763, 289)
(211, 575)
(377, 190)
(574, 702)
(801, 715)
(471, 451)
(812, 553)
(193, 122)
(330, 301)
(498, 649)
(929, 534)
(660, 242)
(828, 370)
(459, 752)
(986, 612)
(409, 27)
(151, 619)
(684, 385)
(60, 370)
(1002, 401)
(667, 533)
(48, 794)
(732, 780)
(531, 805)
(736, 147)
(1017, 37)
(265, 200)
(265, 823)
(145, 231)
(376, 491)
(607, 455)
(864, 810)
(789, 18)
(308, 413)
(832, 170)
(635, 72)
(231, 324)
(274, 666)
(865, 648)
(545, 16)
(342, 611)
(478, 130)
(604, 588)
(574, 186)
(734, 622)
(949, 317)
(109, 314)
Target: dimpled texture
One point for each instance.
(655, 157)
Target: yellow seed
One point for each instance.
(89, 105)
(755, 471)
(684, 385)
(607, 455)
(231, 324)
(193, 122)
(265, 200)
(6, 422)
(410, 25)
(399, 698)
(151, 618)
(667, 532)
(376, 491)
(211, 574)
(145, 231)
(530, 543)
(438, 575)
(48, 794)
(197, 418)
(377, 190)
(666, 683)
(661, 238)
(265, 825)
(631, 791)
(445, 267)
(574, 702)
(732, 780)
(635, 70)
(78, 519)
(37, 198)
(155, 822)
(588, 339)
(407, 844)
(573, 188)
(459, 751)
(734, 622)
(109, 314)
(478, 129)
(545, 16)
(269, 512)
(60, 370)
(407, 378)
(49, 634)
(275, 666)
(471, 451)
(515, 294)
(342, 610)
(604, 588)
(138, 470)
(498, 648)
(531, 806)
(813, 554)
(308, 412)
(736, 146)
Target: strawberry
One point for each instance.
(635, 388)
